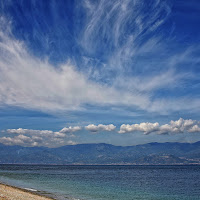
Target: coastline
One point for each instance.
(8, 192)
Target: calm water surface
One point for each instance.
(107, 182)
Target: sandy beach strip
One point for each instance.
(13, 193)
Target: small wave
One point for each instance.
(30, 189)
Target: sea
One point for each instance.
(111, 182)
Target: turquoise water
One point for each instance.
(107, 182)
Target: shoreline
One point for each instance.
(117, 164)
(9, 192)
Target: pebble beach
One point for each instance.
(14, 193)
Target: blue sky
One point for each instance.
(85, 63)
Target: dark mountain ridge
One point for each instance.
(151, 153)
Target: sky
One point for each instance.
(123, 72)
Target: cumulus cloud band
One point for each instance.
(179, 126)
(30, 137)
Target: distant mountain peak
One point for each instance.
(102, 153)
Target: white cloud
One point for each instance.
(70, 129)
(100, 127)
(30, 137)
(179, 126)
(195, 128)
(142, 127)
(21, 140)
(32, 141)
(43, 133)
(48, 138)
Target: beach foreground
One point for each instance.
(13, 193)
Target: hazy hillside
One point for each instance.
(152, 153)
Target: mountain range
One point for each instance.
(95, 154)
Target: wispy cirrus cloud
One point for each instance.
(122, 33)
(32, 83)
(138, 56)
(124, 60)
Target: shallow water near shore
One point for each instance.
(106, 182)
